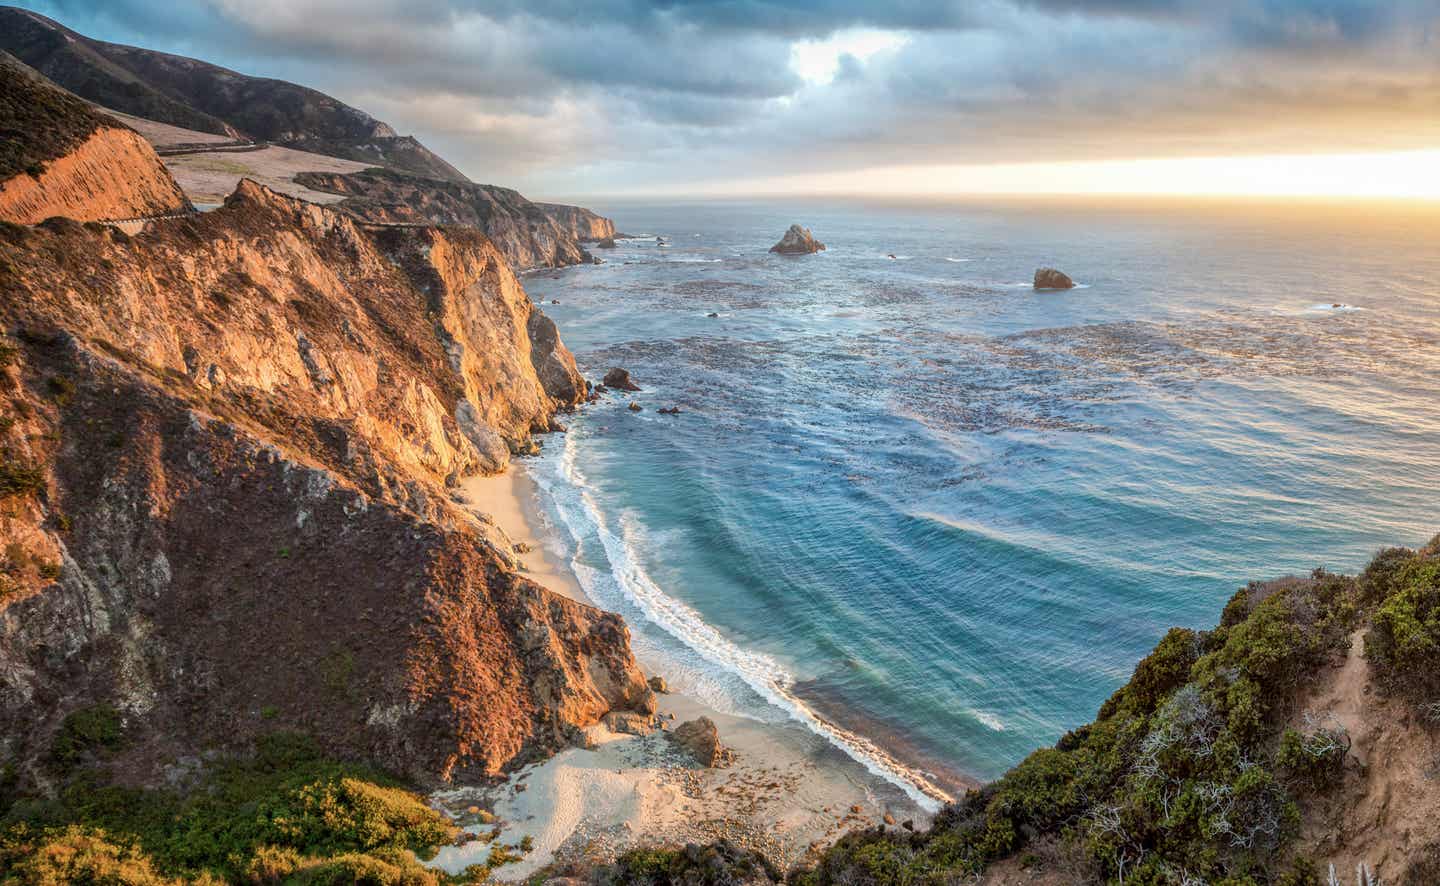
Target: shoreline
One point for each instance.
(787, 791)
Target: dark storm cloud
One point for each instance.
(558, 94)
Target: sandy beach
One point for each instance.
(785, 792)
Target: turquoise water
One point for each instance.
(938, 516)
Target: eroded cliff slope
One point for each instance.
(60, 157)
(224, 459)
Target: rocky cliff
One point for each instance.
(530, 234)
(196, 95)
(224, 458)
(60, 157)
(579, 222)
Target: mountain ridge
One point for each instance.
(197, 95)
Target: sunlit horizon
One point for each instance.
(1381, 175)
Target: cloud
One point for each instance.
(557, 95)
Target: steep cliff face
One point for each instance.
(196, 95)
(525, 232)
(113, 175)
(60, 157)
(579, 222)
(224, 457)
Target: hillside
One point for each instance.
(58, 156)
(529, 234)
(196, 95)
(242, 425)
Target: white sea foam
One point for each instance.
(575, 503)
(1334, 307)
(990, 720)
(958, 260)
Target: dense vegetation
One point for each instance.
(285, 814)
(38, 122)
(1188, 773)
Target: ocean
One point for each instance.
(937, 516)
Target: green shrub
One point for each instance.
(336, 815)
(61, 389)
(74, 854)
(1403, 644)
(285, 813)
(382, 868)
(719, 863)
(85, 732)
(18, 479)
(1314, 758)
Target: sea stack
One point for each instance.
(620, 379)
(1049, 278)
(798, 241)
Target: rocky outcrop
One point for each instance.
(620, 379)
(527, 235)
(582, 224)
(1049, 278)
(701, 740)
(233, 439)
(798, 241)
(61, 157)
(196, 95)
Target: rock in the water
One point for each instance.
(797, 241)
(713, 316)
(635, 407)
(671, 410)
(607, 243)
(620, 378)
(1049, 278)
(701, 740)
(658, 683)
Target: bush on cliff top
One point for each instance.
(288, 810)
(1403, 644)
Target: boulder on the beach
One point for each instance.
(629, 722)
(701, 740)
(620, 378)
(798, 241)
(1049, 278)
(657, 682)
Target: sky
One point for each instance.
(715, 97)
